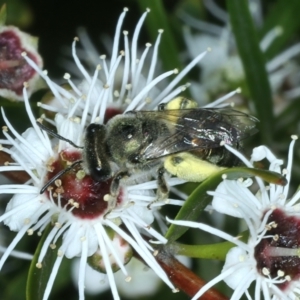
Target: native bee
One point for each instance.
(178, 138)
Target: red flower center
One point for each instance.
(78, 191)
(285, 231)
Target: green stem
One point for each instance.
(212, 251)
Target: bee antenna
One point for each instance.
(59, 174)
(51, 132)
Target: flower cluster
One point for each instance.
(75, 205)
(102, 230)
(224, 69)
(90, 201)
(270, 257)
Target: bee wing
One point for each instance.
(191, 129)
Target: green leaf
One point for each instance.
(286, 15)
(38, 278)
(158, 18)
(254, 65)
(199, 198)
(211, 251)
(19, 13)
(2, 15)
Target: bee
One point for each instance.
(179, 138)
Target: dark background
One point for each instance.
(55, 23)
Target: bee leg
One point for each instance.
(162, 189)
(115, 186)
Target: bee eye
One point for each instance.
(128, 131)
(134, 158)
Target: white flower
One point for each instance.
(96, 282)
(80, 209)
(124, 81)
(270, 257)
(75, 204)
(223, 68)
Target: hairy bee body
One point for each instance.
(179, 138)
